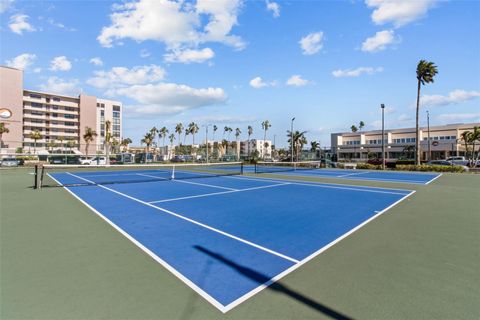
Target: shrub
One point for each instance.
(425, 168)
(368, 166)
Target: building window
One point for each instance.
(70, 109)
(36, 105)
(69, 123)
(35, 96)
(56, 99)
(116, 108)
(70, 116)
(116, 114)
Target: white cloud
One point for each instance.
(18, 24)
(459, 117)
(37, 70)
(399, 12)
(274, 7)
(121, 76)
(379, 41)
(297, 81)
(454, 97)
(258, 83)
(61, 86)
(189, 55)
(5, 5)
(60, 63)
(170, 98)
(22, 61)
(178, 24)
(96, 61)
(355, 72)
(59, 25)
(312, 43)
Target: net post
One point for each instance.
(42, 173)
(241, 168)
(35, 177)
(256, 171)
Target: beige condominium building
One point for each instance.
(61, 120)
(445, 141)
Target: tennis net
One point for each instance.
(270, 167)
(84, 175)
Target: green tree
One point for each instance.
(238, 132)
(148, 139)
(426, 71)
(179, 130)
(108, 139)
(361, 125)
(89, 136)
(35, 135)
(249, 132)
(265, 126)
(3, 129)
(124, 143)
(354, 128)
(61, 139)
(474, 137)
(162, 134)
(298, 140)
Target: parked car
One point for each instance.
(66, 159)
(458, 160)
(98, 160)
(445, 163)
(9, 162)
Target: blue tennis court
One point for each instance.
(353, 174)
(229, 237)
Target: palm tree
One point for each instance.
(426, 70)
(171, 138)
(299, 140)
(193, 129)
(249, 132)
(215, 128)
(179, 130)
(35, 135)
(61, 139)
(3, 129)
(154, 132)
(238, 132)
(162, 134)
(354, 128)
(148, 139)
(361, 125)
(224, 146)
(51, 145)
(115, 144)
(265, 125)
(314, 147)
(225, 130)
(89, 137)
(108, 138)
(125, 142)
(474, 137)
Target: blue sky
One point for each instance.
(329, 64)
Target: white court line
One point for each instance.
(218, 193)
(193, 221)
(319, 185)
(192, 285)
(235, 303)
(353, 174)
(162, 262)
(433, 179)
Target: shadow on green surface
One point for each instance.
(262, 279)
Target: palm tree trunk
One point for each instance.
(35, 146)
(264, 137)
(86, 149)
(417, 131)
(248, 147)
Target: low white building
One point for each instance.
(264, 148)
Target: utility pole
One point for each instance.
(383, 136)
(206, 140)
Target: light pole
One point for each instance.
(291, 139)
(428, 136)
(206, 139)
(383, 136)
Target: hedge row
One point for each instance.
(411, 167)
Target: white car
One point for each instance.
(458, 161)
(94, 161)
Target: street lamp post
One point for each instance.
(291, 139)
(428, 137)
(383, 136)
(206, 140)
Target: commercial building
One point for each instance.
(61, 120)
(445, 141)
(263, 148)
